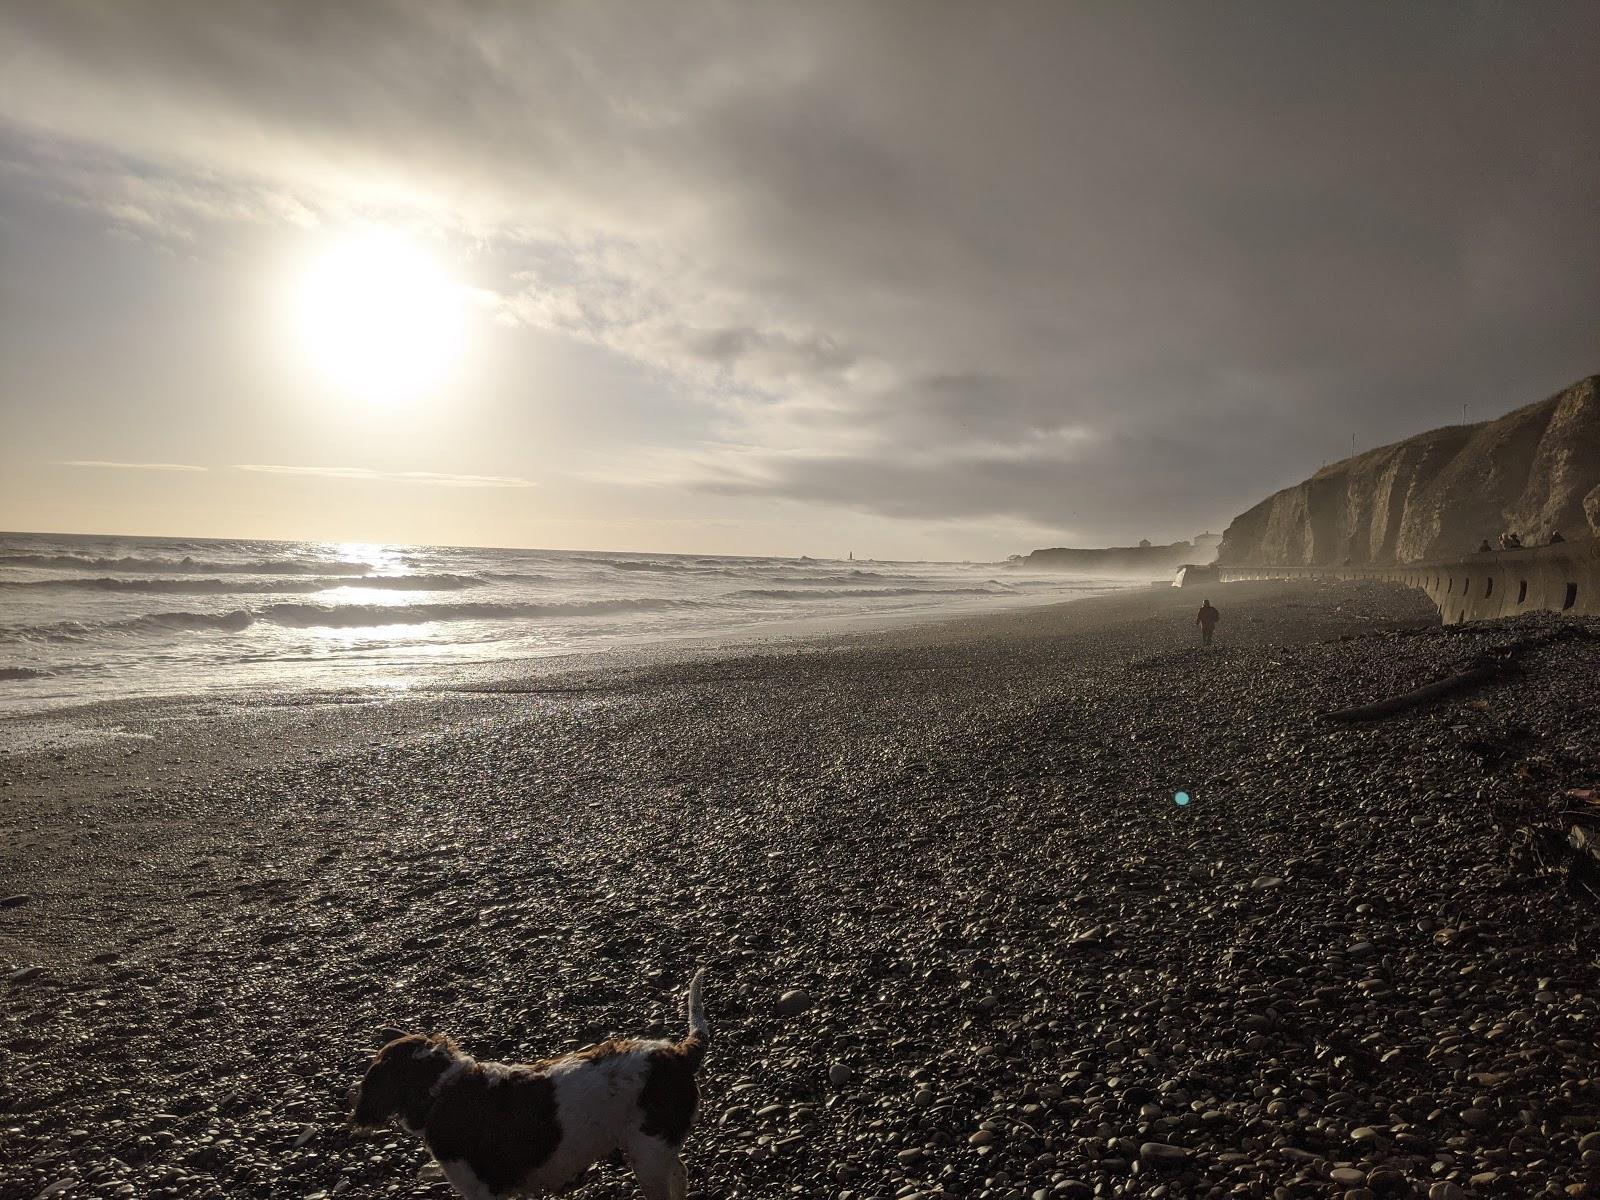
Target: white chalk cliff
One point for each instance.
(1439, 494)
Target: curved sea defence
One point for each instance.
(1564, 578)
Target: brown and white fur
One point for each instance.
(528, 1129)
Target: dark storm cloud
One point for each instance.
(1115, 269)
(730, 346)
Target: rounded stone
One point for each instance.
(794, 1002)
(1163, 1155)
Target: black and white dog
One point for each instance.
(509, 1129)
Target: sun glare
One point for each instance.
(380, 317)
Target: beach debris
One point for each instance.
(1417, 697)
(1558, 838)
(15, 901)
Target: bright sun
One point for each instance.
(380, 317)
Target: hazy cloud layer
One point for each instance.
(436, 478)
(439, 479)
(1117, 270)
(130, 466)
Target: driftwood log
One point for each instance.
(1422, 695)
(1485, 669)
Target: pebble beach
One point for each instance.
(960, 937)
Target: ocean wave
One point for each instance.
(832, 577)
(215, 587)
(823, 593)
(344, 616)
(698, 566)
(310, 616)
(178, 566)
(22, 673)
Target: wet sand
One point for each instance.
(1038, 975)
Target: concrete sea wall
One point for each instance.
(1473, 587)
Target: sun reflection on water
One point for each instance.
(381, 558)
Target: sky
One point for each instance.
(913, 280)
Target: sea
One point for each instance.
(87, 618)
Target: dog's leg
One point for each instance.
(658, 1169)
(466, 1182)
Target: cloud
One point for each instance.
(436, 478)
(1118, 268)
(131, 466)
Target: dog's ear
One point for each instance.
(390, 1033)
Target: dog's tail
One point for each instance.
(699, 1036)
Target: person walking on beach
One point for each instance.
(1207, 620)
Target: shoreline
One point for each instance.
(624, 649)
(957, 837)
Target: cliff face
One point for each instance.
(1440, 493)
